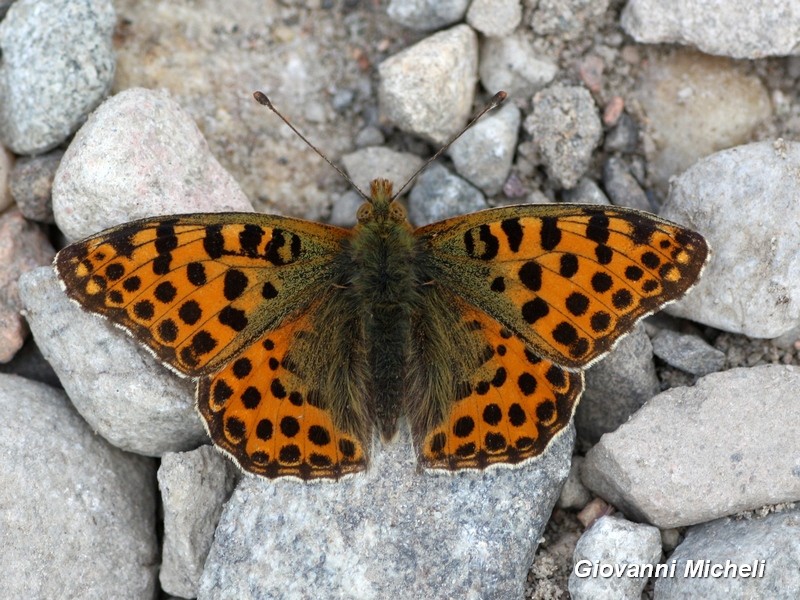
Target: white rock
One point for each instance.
(509, 63)
(494, 18)
(439, 194)
(744, 201)
(138, 155)
(689, 455)
(78, 517)
(735, 28)
(428, 88)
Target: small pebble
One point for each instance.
(566, 128)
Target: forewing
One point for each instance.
(197, 289)
(568, 279)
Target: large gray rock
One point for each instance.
(78, 515)
(689, 455)
(744, 201)
(771, 545)
(617, 386)
(391, 532)
(736, 28)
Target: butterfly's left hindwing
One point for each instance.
(196, 289)
(569, 280)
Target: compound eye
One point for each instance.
(397, 212)
(364, 212)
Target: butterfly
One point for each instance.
(307, 339)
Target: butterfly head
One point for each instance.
(381, 207)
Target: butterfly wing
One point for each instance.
(227, 298)
(197, 289)
(569, 280)
(508, 409)
(268, 412)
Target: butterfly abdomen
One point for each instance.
(386, 287)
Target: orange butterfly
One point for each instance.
(306, 339)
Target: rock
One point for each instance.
(345, 207)
(751, 285)
(78, 516)
(695, 454)
(566, 128)
(101, 369)
(623, 136)
(484, 153)
(617, 386)
(510, 63)
(438, 194)
(613, 541)
(58, 64)
(31, 185)
(574, 494)
(23, 246)
(428, 88)
(735, 28)
(622, 187)
(567, 19)
(6, 178)
(696, 105)
(687, 352)
(366, 164)
(138, 155)
(427, 15)
(194, 487)
(773, 539)
(29, 363)
(494, 18)
(586, 192)
(475, 533)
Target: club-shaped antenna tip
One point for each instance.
(261, 98)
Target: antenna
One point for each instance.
(496, 101)
(262, 99)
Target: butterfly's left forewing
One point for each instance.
(196, 289)
(569, 280)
